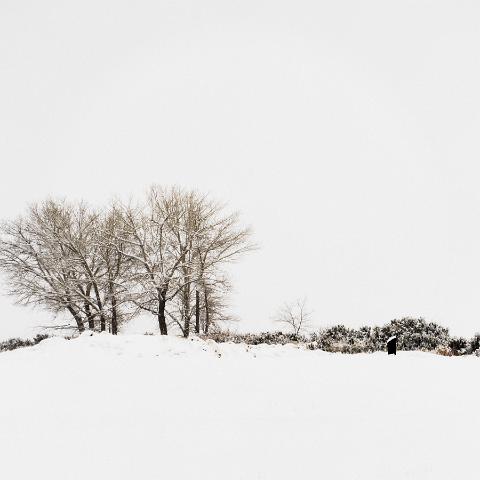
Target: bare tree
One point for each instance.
(295, 315)
(58, 256)
(215, 306)
(176, 242)
(153, 240)
(221, 241)
(77, 239)
(40, 268)
(164, 256)
(117, 280)
(213, 238)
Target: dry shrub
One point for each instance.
(14, 343)
(444, 350)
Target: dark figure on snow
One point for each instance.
(392, 345)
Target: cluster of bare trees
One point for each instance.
(164, 256)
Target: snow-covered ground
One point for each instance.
(146, 407)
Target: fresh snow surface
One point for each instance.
(144, 407)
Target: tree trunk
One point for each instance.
(207, 311)
(78, 319)
(186, 327)
(197, 312)
(91, 321)
(186, 322)
(162, 323)
(88, 310)
(100, 307)
(90, 317)
(186, 311)
(114, 316)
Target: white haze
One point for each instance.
(346, 132)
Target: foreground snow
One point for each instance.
(145, 407)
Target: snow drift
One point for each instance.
(147, 407)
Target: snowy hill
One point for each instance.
(146, 407)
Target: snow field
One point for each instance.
(146, 407)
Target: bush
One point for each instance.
(458, 345)
(417, 334)
(412, 334)
(14, 343)
(474, 344)
(444, 350)
(344, 340)
(269, 338)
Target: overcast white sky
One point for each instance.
(346, 132)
